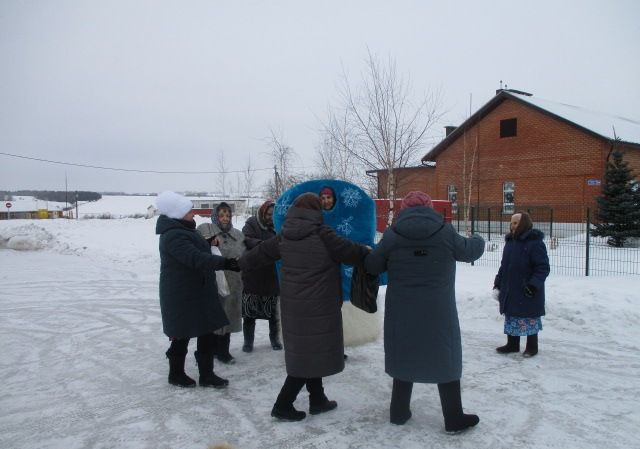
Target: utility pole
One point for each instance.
(77, 214)
(66, 193)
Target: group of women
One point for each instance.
(421, 330)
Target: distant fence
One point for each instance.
(572, 250)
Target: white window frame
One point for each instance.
(508, 188)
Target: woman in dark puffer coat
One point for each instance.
(520, 284)
(188, 290)
(421, 330)
(311, 254)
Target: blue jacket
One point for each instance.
(421, 330)
(524, 262)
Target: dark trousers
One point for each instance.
(450, 399)
(293, 385)
(206, 344)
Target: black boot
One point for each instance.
(205, 366)
(318, 401)
(283, 409)
(248, 330)
(177, 375)
(532, 346)
(513, 345)
(454, 419)
(222, 351)
(273, 334)
(400, 411)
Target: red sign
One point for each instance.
(8, 204)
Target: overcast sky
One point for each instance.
(168, 85)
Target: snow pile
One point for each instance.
(26, 237)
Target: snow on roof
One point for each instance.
(603, 124)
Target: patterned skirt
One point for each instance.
(520, 327)
(259, 307)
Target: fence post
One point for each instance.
(489, 222)
(551, 224)
(586, 265)
(473, 223)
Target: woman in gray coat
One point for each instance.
(421, 330)
(310, 301)
(230, 241)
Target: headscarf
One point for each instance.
(416, 198)
(214, 217)
(524, 225)
(261, 215)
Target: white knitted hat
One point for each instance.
(173, 205)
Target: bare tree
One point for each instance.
(223, 169)
(248, 175)
(333, 160)
(282, 156)
(379, 125)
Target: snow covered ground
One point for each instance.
(83, 361)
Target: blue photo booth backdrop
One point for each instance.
(353, 215)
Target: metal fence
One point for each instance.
(571, 248)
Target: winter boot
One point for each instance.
(273, 334)
(207, 377)
(400, 411)
(283, 409)
(177, 375)
(318, 401)
(513, 345)
(454, 419)
(532, 346)
(248, 329)
(222, 351)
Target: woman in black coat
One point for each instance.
(261, 290)
(519, 284)
(311, 254)
(188, 290)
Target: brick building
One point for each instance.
(520, 151)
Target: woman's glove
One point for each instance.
(231, 264)
(530, 291)
(495, 293)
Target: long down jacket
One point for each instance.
(524, 261)
(188, 291)
(310, 290)
(421, 330)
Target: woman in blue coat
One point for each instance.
(520, 284)
(421, 330)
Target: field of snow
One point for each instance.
(83, 362)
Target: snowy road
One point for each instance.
(83, 367)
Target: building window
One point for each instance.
(508, 198)
(204, 206)
(509, 127)
(452, 194)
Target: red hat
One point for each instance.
(326, 191)
(416, 198)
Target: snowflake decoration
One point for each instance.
(283, 207)
(345, 227)
(348, 271)
(351, 197)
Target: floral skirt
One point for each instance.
(517, 326)
(259, 307)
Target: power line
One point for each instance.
(98, 167)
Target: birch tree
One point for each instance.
(379, 125)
